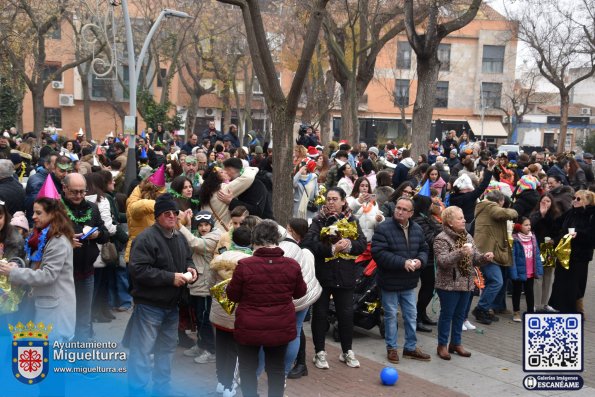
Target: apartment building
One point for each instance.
(478, 69)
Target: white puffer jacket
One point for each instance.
(367, 221)
(306, 260)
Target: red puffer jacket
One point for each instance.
(264, 285)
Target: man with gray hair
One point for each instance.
(84, 215)
(491, 235)
(12, 193)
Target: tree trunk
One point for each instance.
(38, 110)
(325, 129)
(427, 77)
(349, 113)
(86, 106)
(564, 104)
(282, 163)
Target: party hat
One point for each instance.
(143, 134)
(117, 140)
(80, 133)
(143, 153)
(425, 189)
(158, 178)
(96, 162)
(48, 189)
(158, 142)
(55, 137)
(99, 150)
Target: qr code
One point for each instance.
(553, 342)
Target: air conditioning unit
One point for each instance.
(209, 112)
(505, 119)
(66, 100)
(57, 85)
(586, 111)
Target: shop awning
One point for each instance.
(491, 128)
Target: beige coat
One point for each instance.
(235, 187)
(202, 248)
(490, 230)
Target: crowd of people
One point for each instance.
(457, 221)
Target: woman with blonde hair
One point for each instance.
(456, 254)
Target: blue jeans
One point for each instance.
(468, 307)
(118, 289)
(204, 329)
(292, 347)
(452, 315)
(390, 303)
(83, 290)
(500, 300)
(493, 283)
(151, 330)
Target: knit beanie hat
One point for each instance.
(527, 182)
(203, 216)
(19, 220)
(163, 203)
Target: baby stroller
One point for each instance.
(367, 304)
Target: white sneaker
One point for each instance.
(549, 309)
(320, 360)
(220, 388)
(229, 393)
(349, 359)
(205, 358)
(467, 324)
(194, 351)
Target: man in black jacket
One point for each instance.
(399, 248)
(83, 215)
(11, 190)
(256, 198)
(159, 258)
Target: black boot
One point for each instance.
(421, 327)
(298, 371)
(184, 340)
(481, 316)
(423, 317)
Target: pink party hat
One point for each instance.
(99, 150)
(158, 178)
(48, 189)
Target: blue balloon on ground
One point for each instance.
(389, 376)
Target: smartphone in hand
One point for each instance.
(90, 232)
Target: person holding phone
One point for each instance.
(84, 216)
(364, 207)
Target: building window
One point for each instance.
(401, 93)
(55, 32)
(161, 77)
(491, 94)
(403, 55)
(493, 59)
(49, 72)
(441, 94)
(99, 86)
(256, 88)
(53, 116)
(444, 56)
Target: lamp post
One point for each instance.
(134, 68)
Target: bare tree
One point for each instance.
(282, 108)
(561, 36)
(31, 23)
(425, 44)
(355, 35)
(517, 99)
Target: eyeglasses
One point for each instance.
(170, 213)
(402, 209)
(203, 217)
(77, 192)
(577, 198)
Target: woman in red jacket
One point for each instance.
(265, 285)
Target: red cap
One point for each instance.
(311, 166)
(312, 152)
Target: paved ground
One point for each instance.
(494, 369)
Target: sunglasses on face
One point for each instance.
(577, 198)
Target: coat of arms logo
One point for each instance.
(30, 351)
